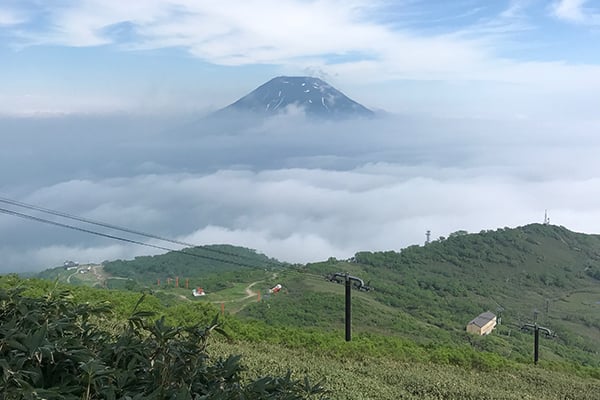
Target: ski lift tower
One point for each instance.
(536, 335)
(358, 284)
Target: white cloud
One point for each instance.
(308, 215)
(296, 247)
(266, 30)
(570, 10)
(10, 17)
(575, 11)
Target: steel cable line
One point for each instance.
(115, 227)
(109, 236)
(91, 221)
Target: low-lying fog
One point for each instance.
(294, 189)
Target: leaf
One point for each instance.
(140, 300)
(35, 340)
(16, 345)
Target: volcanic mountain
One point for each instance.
(282, 94)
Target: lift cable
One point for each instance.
(115, 227)
(91, 221)
(109, 236)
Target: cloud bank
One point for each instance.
(290, 188)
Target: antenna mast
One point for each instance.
(546, 219)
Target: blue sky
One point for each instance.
(70, 56)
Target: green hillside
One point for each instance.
(429, 293)
(190, 263)
(213, 267)
(424, 294)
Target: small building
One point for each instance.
(483, 324)
(70, 264)
(275, 289)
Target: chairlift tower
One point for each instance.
(536, 335)
(360, 285)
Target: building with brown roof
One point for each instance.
(483, 324)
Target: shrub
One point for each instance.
(53, 348)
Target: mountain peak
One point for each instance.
(314, 96)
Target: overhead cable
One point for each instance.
(116, 227)
(109, 236)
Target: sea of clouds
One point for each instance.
(295, 189)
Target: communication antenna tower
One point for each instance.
(546, 219)
(428, 236)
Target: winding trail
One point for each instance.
(70, 276)
(249, 292)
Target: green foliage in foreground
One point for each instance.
(372, 366)
(54, 348)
